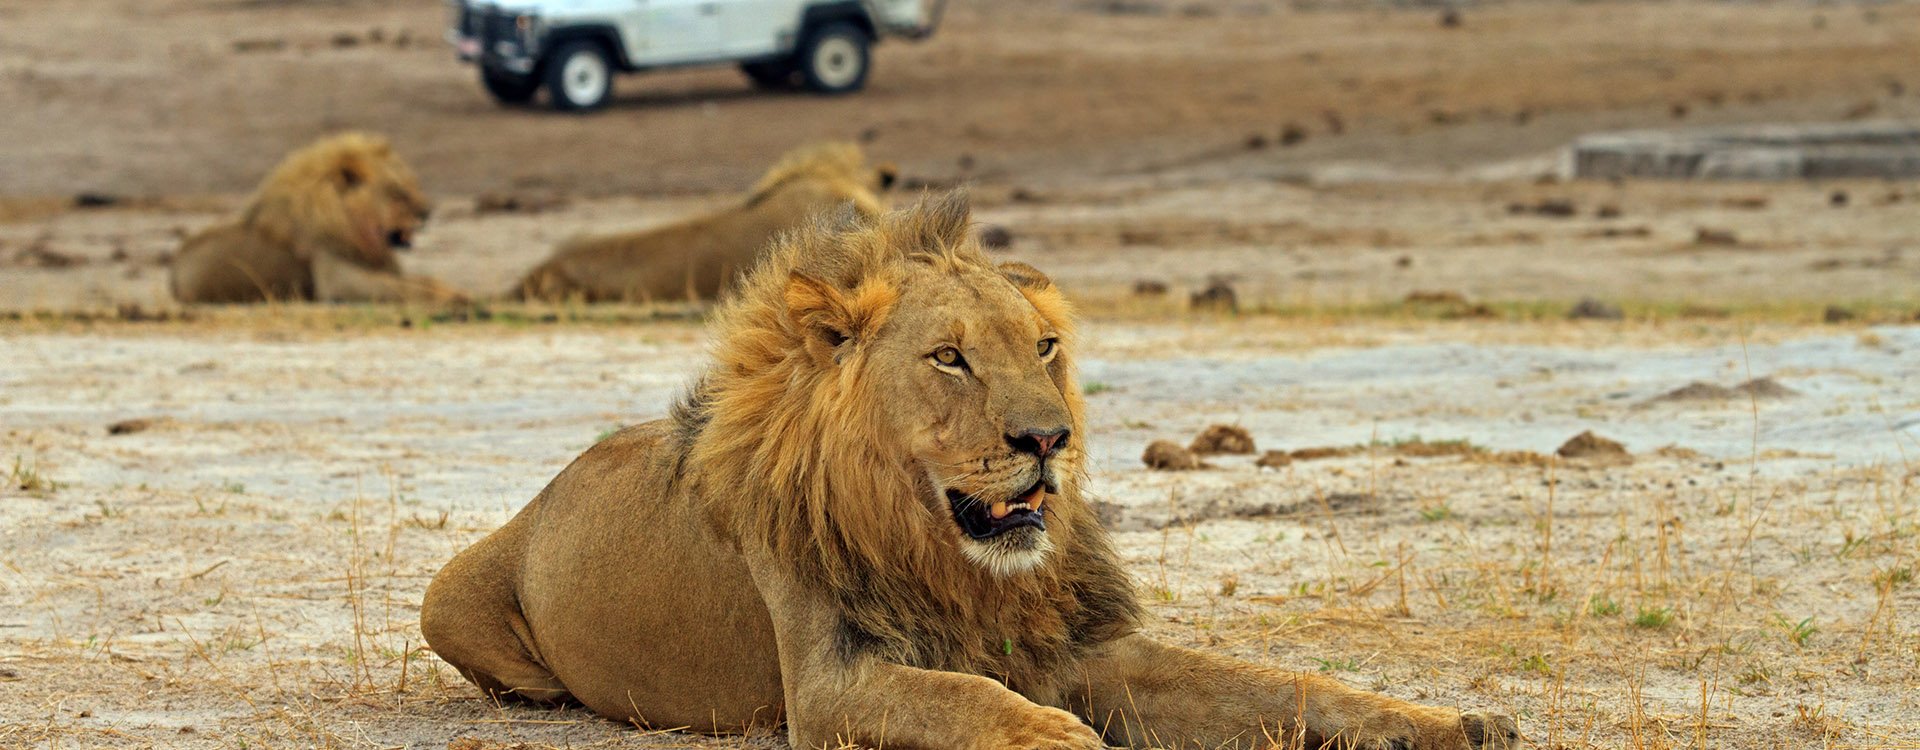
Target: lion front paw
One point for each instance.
(1486, 731)
(1435, 729)
(1044, 729)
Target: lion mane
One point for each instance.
(851, 519)
(323, 225)
(697, 258)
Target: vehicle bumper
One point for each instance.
(486, 35)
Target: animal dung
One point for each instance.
(1166, 455)
(1223, 439)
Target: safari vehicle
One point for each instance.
(572, 48)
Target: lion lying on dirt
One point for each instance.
(323, 226)
(867, 521)
(696, 258)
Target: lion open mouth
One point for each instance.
(984, 521)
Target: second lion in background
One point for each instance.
(697, 258)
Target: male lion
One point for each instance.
(697, 258)
(867, 521)
(323, 226)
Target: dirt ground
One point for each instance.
(241, 563)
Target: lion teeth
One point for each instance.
(1000, 509)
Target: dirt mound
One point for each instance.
(1223, 438)
(1695, 391)
(1589, 445)
(1274, 460)
(1166, 455)
(1764, 388)
(1757, 388)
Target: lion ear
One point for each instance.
(942, 220)
(1025, 276)
(828, 320)
(819, 312)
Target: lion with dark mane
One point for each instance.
(324, 225)
(697, 258)
(867, 521)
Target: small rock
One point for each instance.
(1589, 445)
(1218, 297)
(1550, 207)
(96, 200)
(344, 40)
(1334, 122)
(1838, 314)
(1166, 455)
(129, 426)
(1274, 460)
(1589, 308)
(1431, 297)
(1292, 133)
(1838, 199)
(1677, 111)
(1404, 261)
(1450, 19)
(1223, 439)
(259, 45)
(1607, 211)
(1747, 202)
(1715, 237)
(1149, 287)
(1256, 141)
(40, 255)
(505, 203)
(996, 237)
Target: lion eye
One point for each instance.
(949, 357)
(1046, 347)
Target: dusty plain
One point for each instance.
(241, 563)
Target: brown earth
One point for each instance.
(215, 525)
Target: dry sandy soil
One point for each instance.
(243, 566)
(246, 568)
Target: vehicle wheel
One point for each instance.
(776, 75)
(509, 88)
(579, 76)
(834, 58)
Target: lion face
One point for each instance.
(382, 203)
(346, 194)
(980, 380)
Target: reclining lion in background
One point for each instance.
(697, 258)
(867, 521)
(323, 226)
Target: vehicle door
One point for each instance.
(665, 32)
(759, 28)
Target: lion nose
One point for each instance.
(1040, 443)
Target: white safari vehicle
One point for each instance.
(573, 47)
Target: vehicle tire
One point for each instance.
(579, 76)
(509, 88)
(773, 75)
(834, 58)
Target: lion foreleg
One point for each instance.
(1142, 693)
(337, 279)
(837, 696)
